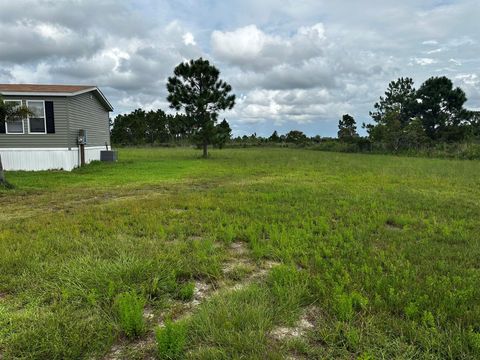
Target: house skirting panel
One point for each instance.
(47, 159)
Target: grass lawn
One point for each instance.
(253, 254)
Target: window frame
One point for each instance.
(6, 122)
(44, 119)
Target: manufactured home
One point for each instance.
(68, 125)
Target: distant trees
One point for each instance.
(400, 97)
(409, 118)
(197, 89)
(153, 127)
(293, 137)
(440, 107)
(156, 127)
(223, 133)
(274, 137)
(475, 123)
(296, 137)
(130, 128)
(347, 128)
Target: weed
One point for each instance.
(343, 306)
(353, 338)
(428, 320)
(359, 301)
(171, 340)
(411, 310)
(474, 341)
(186, 291)
(366, 356)
(130, 313)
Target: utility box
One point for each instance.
(82, 137)
(108, 155)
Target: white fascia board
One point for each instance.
(38, 93)
(104, 98)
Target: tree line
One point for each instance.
(404, 118)
(157, 127)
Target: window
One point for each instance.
(36, 120)
(14, 126)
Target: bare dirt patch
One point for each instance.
(238, 248)
(178, 211)
(303, 325)
(200, 292)
(392, 225)
(139, 349)
(195, 238)
(148, 314)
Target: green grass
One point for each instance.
(384, 248)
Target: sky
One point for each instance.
(293, 64)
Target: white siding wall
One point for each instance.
(47, 159)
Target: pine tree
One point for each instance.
(197, 89)
(347, 128)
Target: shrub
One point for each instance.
(359, 301)
(186, 291)
(171, 341)
(428, 319)
(353, 338)
(343, 306)
(411, 310)
(346, 304)
(474, 341)
(130, 313)
(366, 356)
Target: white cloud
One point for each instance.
(251, 48)
(35, 74)
(29, 41)
(456, 62)
(316, 31)
(189, 39)
(55, 32)
(469, 79)
(434, 51)
(424, 61)
(240, 45)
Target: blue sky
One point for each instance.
(292, 64)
